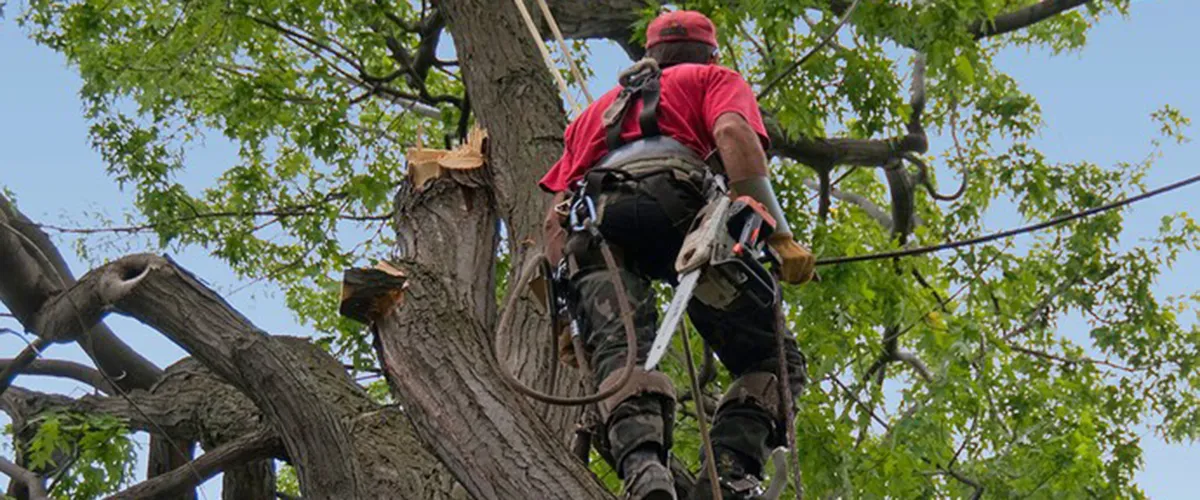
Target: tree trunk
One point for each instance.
(436, 349)
(516, 101)
(166, 455)
(252, 481)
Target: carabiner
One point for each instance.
(582, 202)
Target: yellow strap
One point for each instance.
(537, 38)
(562, 45)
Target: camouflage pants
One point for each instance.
(647, 241)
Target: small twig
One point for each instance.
(1054, 357)
(924, 180)
(965, 480)
(1043, 306)
(800, 62)
(843, 176)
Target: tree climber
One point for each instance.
(642, 163)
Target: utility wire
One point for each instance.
(1011, 232)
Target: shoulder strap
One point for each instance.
(640, 80)
(648, 119)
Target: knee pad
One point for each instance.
(758, 392)
(641, 382)
(648, 417)
(758, 389)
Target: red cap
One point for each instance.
(681, 26)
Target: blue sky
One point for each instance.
(1096, 105)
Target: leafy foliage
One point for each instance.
(99, 451)
(286, 481)
(307, 94)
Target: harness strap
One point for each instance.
(648, 119)
(640, 80)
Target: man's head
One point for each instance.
(682, 36)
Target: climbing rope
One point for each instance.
(562, 45)
(714, 480)
(626, 321)
(537, 39)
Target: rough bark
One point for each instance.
(254, 480)
(437, 354)
(30, 481)
(170, 458)
(188, 405)
(260, 444)
(517, 103)
(36, 271)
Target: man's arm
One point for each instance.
(746, 165)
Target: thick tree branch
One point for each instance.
(253, 480)
(152, 413)
(64, 369)
(34, 271)
(257, 445)
(868, 206)
(832, 152)
(19, 363)
(172, 301)
(824, 154)
(436, 350)
(912, 360)
(1023, 17)
(37, 491)
(514, 98)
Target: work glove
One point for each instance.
(796, 263)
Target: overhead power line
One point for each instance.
(1011, 232)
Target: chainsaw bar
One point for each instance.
(662, 339)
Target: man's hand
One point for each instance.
(796, 262)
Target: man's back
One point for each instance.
(693, 96)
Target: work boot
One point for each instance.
(737, 483)
(646, 478)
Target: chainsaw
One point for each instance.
(721, 263)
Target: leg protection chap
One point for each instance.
(641, 413)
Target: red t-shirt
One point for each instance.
(693, 96)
